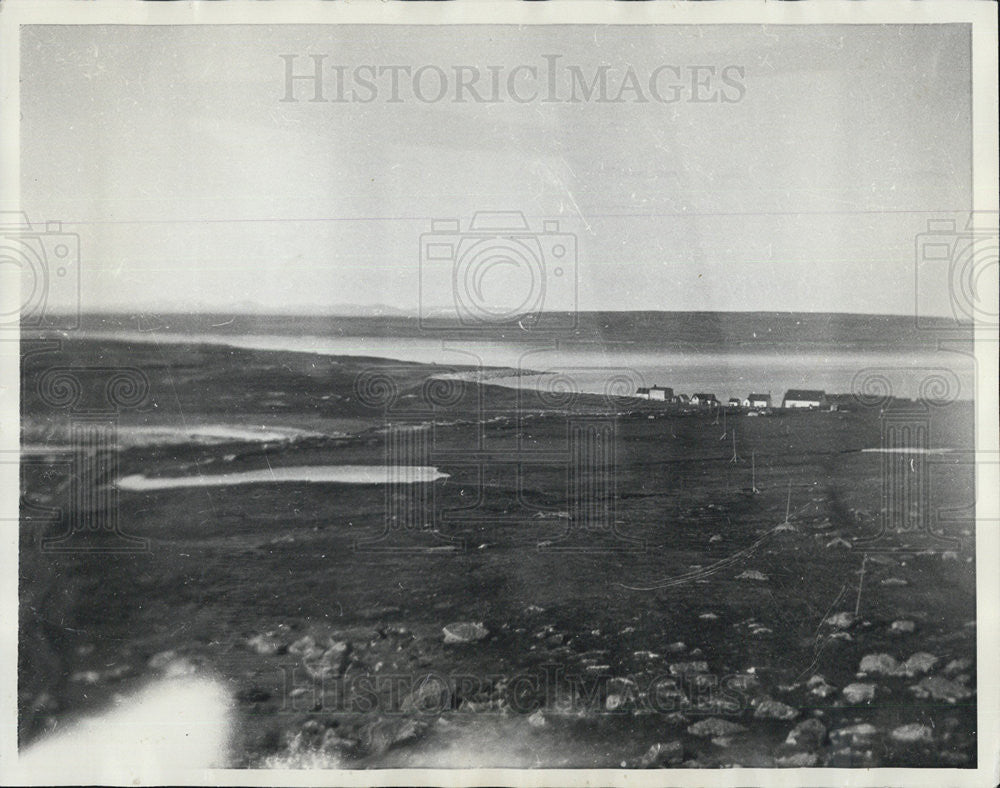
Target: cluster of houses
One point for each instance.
(794, 398)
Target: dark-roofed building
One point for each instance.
(704, 400)
(804, 398)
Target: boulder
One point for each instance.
(709, 702)
(902, 627)
(595, 667)
(662, 755)
(382, 734)
(918, 663)
(621, 684)
(117, 672)
(45, 703)
(172, 665)
(327, 664)
(465, 632)
(800, 760)
(752, 574)
(843, 620)
(771, 709)
(614, 701)
(312, 728)
(306, 648)
(819, 687)
(430, 695)
(854, 735)
(265, 645)
(746, 680)
(912, 733)
(884, 664)
(162, 659)
(713, 726)
(940, 688)
(334, 743)
(957, 666)
(809, 733)
(859, 693)
(852, 758)
(621, 693)
(684, 668)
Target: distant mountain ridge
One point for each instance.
(630, 330)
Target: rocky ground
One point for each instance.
(709, 629)
(366, 695)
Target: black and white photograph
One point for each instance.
(605, 393)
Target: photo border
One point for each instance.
(980, 15)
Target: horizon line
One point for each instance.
(390, 311)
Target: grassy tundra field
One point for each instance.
(655, 593)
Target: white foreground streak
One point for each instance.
(311, 474)
(182, 722)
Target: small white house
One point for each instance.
(704, 400)
(658, 393)
(804, 398)
(758, 401)
(661, 393)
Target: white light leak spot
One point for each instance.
(184, 722)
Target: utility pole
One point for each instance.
(787, 525)
(861, 583)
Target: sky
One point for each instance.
(192, 184)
